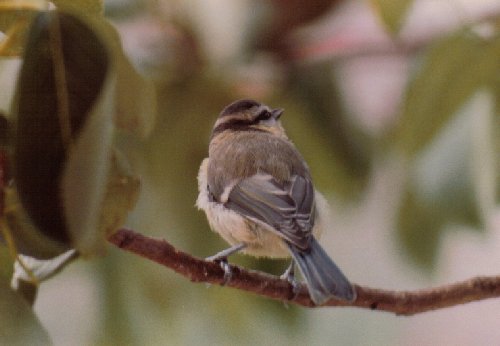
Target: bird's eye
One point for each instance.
(264, 115)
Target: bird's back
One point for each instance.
(281, 159)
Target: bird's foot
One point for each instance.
(289, 275)
(228, 272)
(221, 258)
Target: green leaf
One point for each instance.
(496, 135)
(451, 72)
(136, 105)
(67, 118)
(122, 192)
(392, 12)
(6, 262)
(419, 225)
(111, 192)
(89, 7)
(27, 238)
(485, 153)
(452, 181)
(85, 176)
(444, 172)
(98, 190)
(62, 77)
(136, 99)
(18, 323)
(15, 18)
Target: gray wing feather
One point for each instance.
(288, 208)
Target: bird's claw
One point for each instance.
(289, 275)
(228, 272)
(221, 258)
(224, 264)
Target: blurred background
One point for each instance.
(394, 105)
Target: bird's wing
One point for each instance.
(288, 208)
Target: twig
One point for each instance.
(401, 303)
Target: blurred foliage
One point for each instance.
(18, 323)
(72, 188)
(28, 239)
(451, 71)
(15, 17)
(338, 154)
(124, 127)
(81, 86)
(285, 17)
(420, 225)
(441, 190)
(89, 7)
(29, 272)
(392, 12)
(41, 151)
(496, 137)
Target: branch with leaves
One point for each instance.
(399, 302)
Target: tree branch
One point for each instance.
(401, 303)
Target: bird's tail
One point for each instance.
(324, 279)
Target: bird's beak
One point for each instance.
(276, 113)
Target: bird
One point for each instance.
(257, 193)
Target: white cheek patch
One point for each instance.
(262, 108)
(271, 122)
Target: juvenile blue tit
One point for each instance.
(257, 193)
